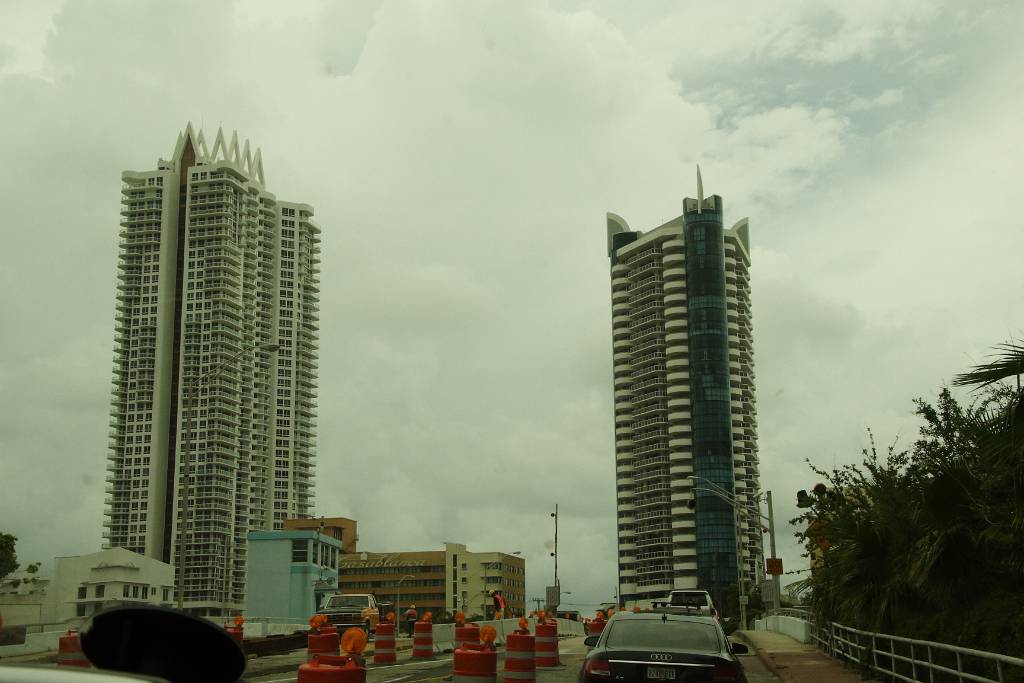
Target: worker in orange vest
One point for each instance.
(499, 604)
(410, 618)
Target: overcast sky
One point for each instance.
(460, 158)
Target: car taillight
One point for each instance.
(725, 673)
(598, 668)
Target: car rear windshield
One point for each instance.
(688, 600)
(348, 601)
(647, 634)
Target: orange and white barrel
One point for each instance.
(546, 644)
(315, 672)
(69, 651)
(236, 633)
(475, 664)
(467, 635)
(322, 644)
(384, 644)
(519, 658)
(423, 640)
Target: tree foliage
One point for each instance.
(8, 555)
(928, 541)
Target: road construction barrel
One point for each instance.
(322, 644)
(384, 644)
(467, 635)
(329, 628)
(546, 644)
(235, 632)
(423, 640)
(315, 672)
(475, 664)
(519, 663)
(69, 651)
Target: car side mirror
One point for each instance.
(591, 641)
(150, 641)
(738, 648)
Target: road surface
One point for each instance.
(408, 670)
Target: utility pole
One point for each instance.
(777, 598)
(537, 601)
(555, 554)
(558, 588)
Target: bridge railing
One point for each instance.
(908, 659)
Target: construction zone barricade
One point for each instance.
(475, 663)
(69, 651)
(546, 644)
(384, 644)
(423, 640)
(322, 644)
(519, 658)
(467, 635)
(318, 672)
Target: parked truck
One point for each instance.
(352, 609)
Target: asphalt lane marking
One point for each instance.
(392, 666)
(400, 678)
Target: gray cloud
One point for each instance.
(460, 159)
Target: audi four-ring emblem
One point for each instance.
(661, 658)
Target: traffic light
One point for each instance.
(803, 500)
(820, 489)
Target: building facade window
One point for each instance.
(300, 551)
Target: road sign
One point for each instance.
(553, 597)
(744, 599)
(773, 565)
(768, 591)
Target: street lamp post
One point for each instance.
(555, 555)
(756, 514)
(190, 391)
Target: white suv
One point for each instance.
(689, 601)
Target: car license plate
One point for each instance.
(661, 673)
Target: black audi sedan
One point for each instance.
(652, 646)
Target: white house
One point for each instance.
(82, 585)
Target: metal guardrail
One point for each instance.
(907, 659)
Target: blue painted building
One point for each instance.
(289, 572)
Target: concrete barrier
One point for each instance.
(35, 643)
(444, 634)
(790, 626)
(444, 637)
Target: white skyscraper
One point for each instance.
(685, 421)
(216, 309)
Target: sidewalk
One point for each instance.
(793, 662)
